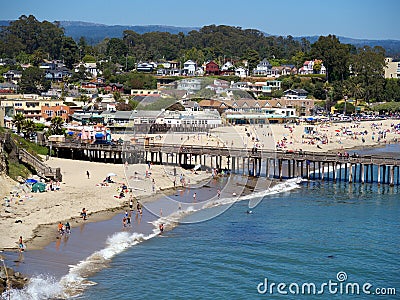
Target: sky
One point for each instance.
(363, 19)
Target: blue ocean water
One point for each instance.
(307, 235)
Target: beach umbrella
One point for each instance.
(111, 174)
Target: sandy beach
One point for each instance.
(33, 215)
(30, 214)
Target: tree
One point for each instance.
(56, 126)
(252, 59)
(18, 121)
(347, 108)
(116, 49)
(334, 56)
(392, 90)
(69, 51)
(28, 34)
(368, 66)
(33, 81)
(29, 127)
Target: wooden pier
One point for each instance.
(251, 162)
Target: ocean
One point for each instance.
(317, 240)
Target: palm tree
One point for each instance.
(56, 126)
(29, 127)
(18, 121)
(358, 91)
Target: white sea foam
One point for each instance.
(282, 187)
(39, 287)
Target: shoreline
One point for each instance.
(46, 234)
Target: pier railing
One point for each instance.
(230, 151)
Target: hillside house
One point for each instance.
(263, 68)
(312, 67)
(212, 68)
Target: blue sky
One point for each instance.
(369, 19)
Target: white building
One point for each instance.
(308, 67)
(241, 72)
(392, 69)
(199, 119)
(227, 66)
(263, 68)
(189, 68)
(189, 85)
(90, 68)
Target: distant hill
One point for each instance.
(392, 47)
(95, 33)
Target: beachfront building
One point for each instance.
(265, 116)
(87, 117)
(28, 105)
(392, 69)
(62, 111)
(303, 106)
(199, 120)
(217, 105)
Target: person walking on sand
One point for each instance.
(194, 196)
(83, 214)
(219, 194)
(21, 244)
(60, 228)
(67, 228)
(130, 203)
(88, 174)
